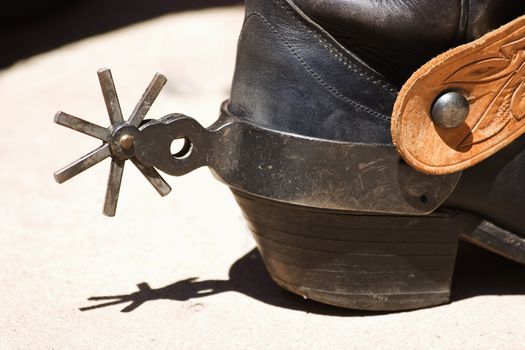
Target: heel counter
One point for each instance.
(292, 76)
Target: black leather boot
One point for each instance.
(306, 143)
(332, 70)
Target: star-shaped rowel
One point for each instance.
(117, 140)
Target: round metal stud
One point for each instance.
(450, 110)
(126, 141)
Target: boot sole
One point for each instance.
(361, 261)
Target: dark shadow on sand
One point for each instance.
(478, 272)
(247, 276)
(32, 27)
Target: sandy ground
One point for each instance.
(182, 269)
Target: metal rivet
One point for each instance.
(126, 141)
(450, 110)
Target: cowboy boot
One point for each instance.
(332, 70)
(357, 171)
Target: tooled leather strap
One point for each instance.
(489, 74)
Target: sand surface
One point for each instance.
(177, 272)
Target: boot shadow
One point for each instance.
(478, 272)
(247, 276)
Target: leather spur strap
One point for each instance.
(490, 74)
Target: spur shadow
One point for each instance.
(247, 276)
(478, 272)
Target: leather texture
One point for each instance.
(488, 76)
(396, 37)
(331, 72)
(293, 76)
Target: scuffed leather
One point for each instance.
(398, 36)
(332, 74)
(292, 76)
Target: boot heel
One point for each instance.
(352, 260)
